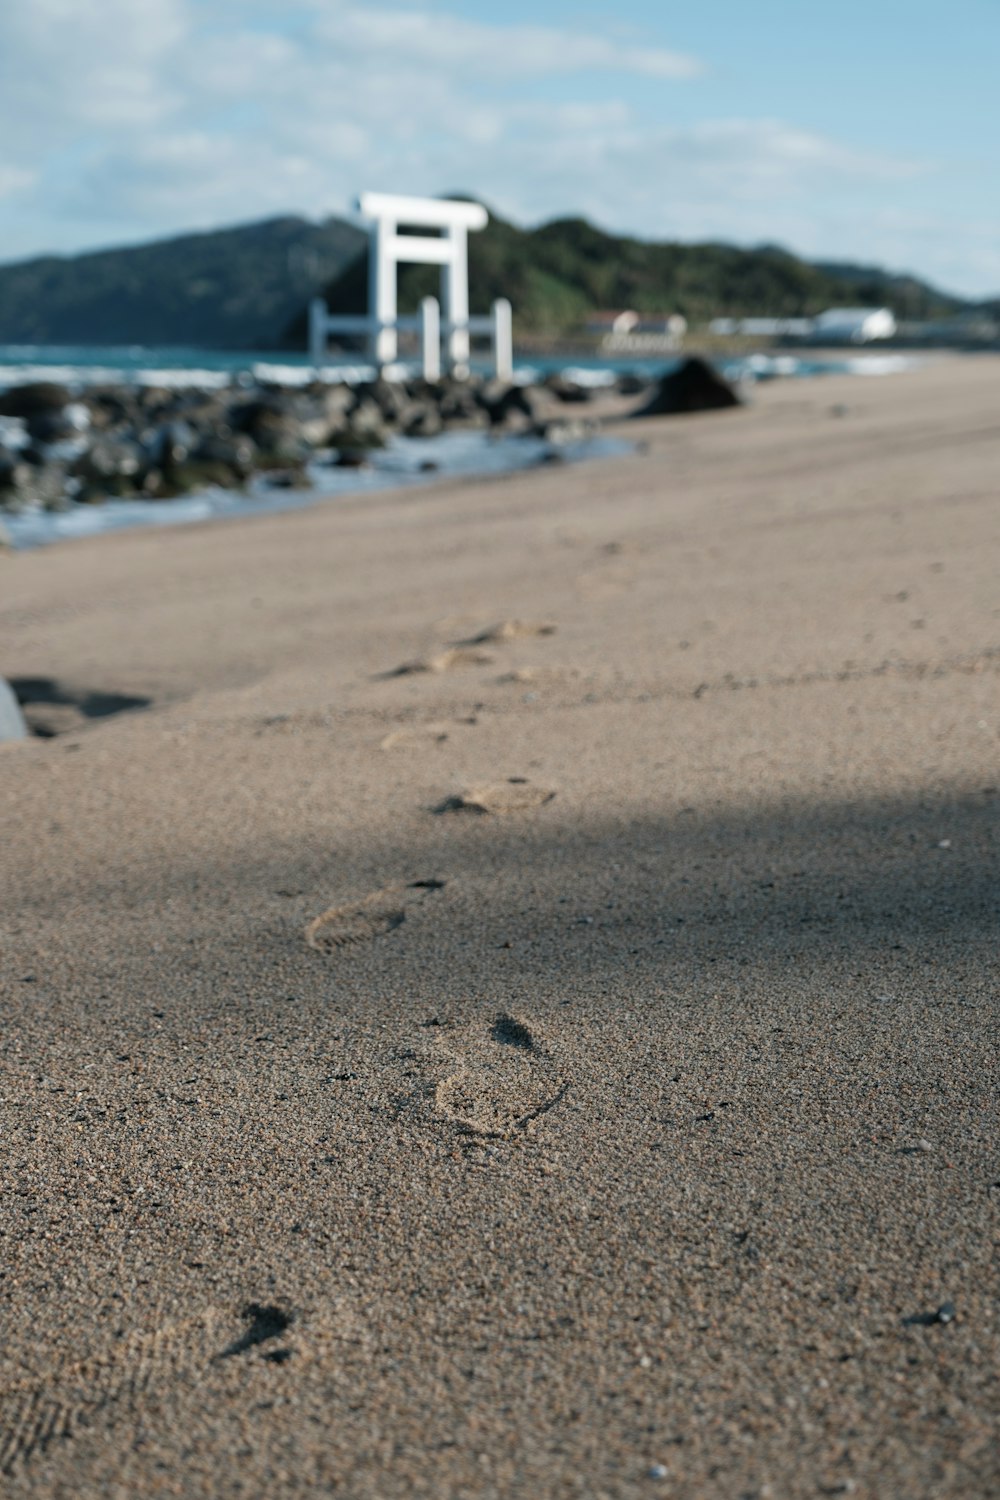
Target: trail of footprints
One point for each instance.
(501, 1081)
(117, 1386)
(383, 911)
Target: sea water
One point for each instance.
(78, 365)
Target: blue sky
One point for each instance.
(861, 131)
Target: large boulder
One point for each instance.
(693, 386)
(508, 405)
(12, 725)
(58, 424)
(33, 399)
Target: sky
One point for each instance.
(865, 131)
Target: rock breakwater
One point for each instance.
(61, 448)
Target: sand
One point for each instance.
(568, 1070)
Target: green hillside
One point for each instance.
(555, 275)
(247, 287)
(232, 288)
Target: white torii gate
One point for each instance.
(388, 249)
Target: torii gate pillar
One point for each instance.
(450, 250)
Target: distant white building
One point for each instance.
(853, 325)
(630, 332)
(766, 328)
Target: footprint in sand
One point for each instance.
(362, 921)
(415, 736)
(508, 630)
(445, 661)
(516, 794)
(504, 1080)
(127, 1383)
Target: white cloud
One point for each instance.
(434, 42)
(73, 65)
(123, 119)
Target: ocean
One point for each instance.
(92, 364)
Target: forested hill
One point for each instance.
(557, 274)
(233, 288)
(247, 287)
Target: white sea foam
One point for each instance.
(587, 375)
(78, 376)
(881, 364)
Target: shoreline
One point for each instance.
(500, 992)
(77, 461)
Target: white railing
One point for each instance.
(496, 327)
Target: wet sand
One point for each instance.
(564, 1067)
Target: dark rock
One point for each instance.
(502, 403)
(352, 458)
(272, 423)
(55, 425)
(630, 384)
(25, 485)
(421, 419)
(8, 463)
(568, 390)
(944, 1314)
(34, 454)
(460, 403)
(390, 398)
(694, 386)
(366, 426)
(188, 478)
(35, 397)
(154, 400)
(150, 485)
(237, 451)
(334, 400)
(112, 407)
(288, 479)
(172, 445)
(109, 459)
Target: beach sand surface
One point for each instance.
(499, 986)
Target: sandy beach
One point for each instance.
(499, 980)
